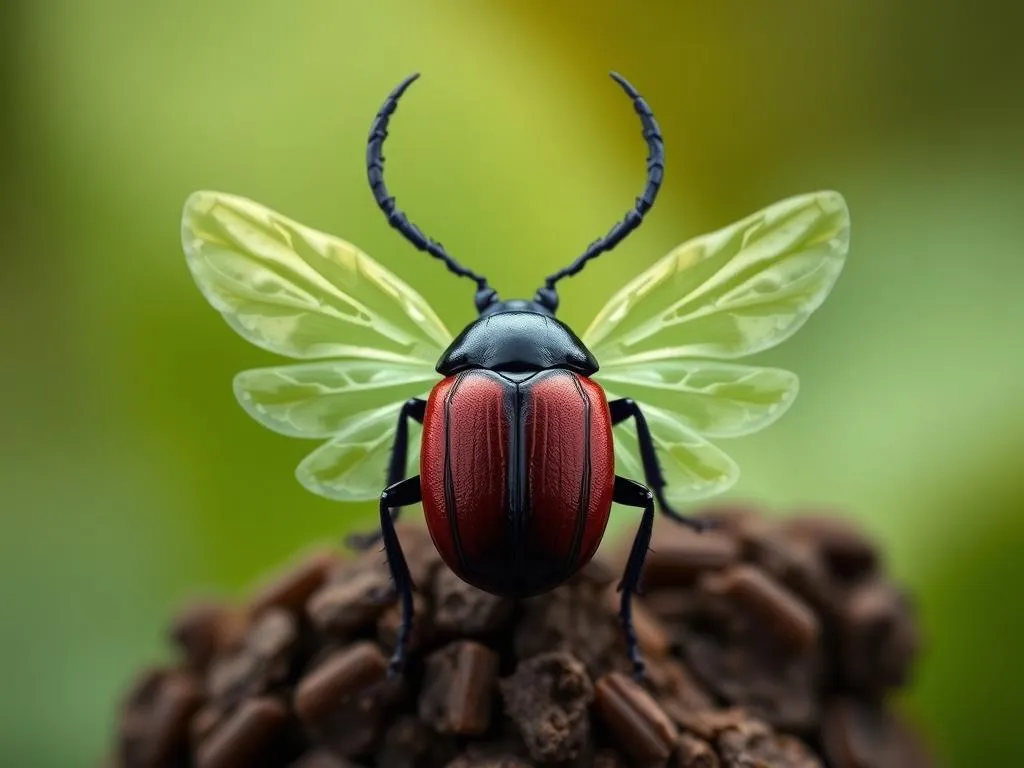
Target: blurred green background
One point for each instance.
(130, 478)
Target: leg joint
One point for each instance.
(623, 409)
(414, 408)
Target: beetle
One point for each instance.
(517, 474)
(518, 465)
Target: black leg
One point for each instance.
(634, 495)
(624, 409)
(413, 409)
(400, 494)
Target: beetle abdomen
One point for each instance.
(517, 474)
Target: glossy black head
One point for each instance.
(545, 302)
(516, 338)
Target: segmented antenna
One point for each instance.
(548, 295)
(396, 218)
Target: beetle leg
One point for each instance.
(413, 409)
(633, 494)
(401, 494)
(625, 409)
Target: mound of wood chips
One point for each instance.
(769, 642)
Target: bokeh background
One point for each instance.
(129, 477)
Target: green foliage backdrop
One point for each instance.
(131, 479)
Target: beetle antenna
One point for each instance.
(485, 295)
(548, 295)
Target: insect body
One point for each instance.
(518, 466)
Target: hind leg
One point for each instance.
(394, 497)
(634, 495)
(625, 409)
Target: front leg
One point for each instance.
(634, 495)
(624, 409)
(413, 409)
(402, 494)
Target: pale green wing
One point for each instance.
(372, 340)
(355, 403)
(301, 293)
(665, 339)
(352, 466)
(731, 293)
(317, 399)
(712, 398)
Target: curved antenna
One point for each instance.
(396, 218)
(548, 295)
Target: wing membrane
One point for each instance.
(315, 400)
(712, 398)
(301, 293)
(352, 466)
(370, 341)
(737, 291)
(667, 339)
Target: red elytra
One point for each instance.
(516, 473)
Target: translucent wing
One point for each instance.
(352, 466)
(369, 341)
(713, 398)
(317, 399)
(301, 293)
(737, 291)
(666, 339)
(355, 403)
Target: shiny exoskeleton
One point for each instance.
(516, 464)
(517, 474)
